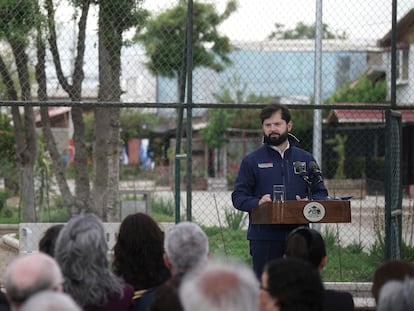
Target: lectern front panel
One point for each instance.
(302, 212)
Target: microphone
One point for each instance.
(315, 172)
(300, 169)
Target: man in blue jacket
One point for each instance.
(279, 161)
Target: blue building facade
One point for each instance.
(280, 70)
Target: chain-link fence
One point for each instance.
(339, 67)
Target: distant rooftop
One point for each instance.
(303, 45)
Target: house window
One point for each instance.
(402, 66)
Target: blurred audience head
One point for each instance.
(307, 244)
(186, 247)
(81, 251)
(138, 252)
(48, 241)
(50, 301)
(291, 284)
(396, 296)
(166, 297)
(220, 286)
(29, 274)
(390, 270)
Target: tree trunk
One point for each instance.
(107, 149)
(46, 127)
(82, 187)
(26, 141)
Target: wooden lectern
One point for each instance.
(302, 212)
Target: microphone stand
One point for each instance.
(308, 184)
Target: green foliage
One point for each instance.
(8, 168)
(228, 242)
(163, 210)
(4, 195)
(9, 216)
(361, 91)
(219, 120)
(165, 35)
(407, 252)
(126, 13)
(17, 18)
(346, 264)
(135, 124)
(235, 219)
(57, 212)
(330, 238)
(7, 140)
(303, 31)
(54, 215)
(303, 125)
(338, 143)
(70, 171)
(89, 120)
(355, 248)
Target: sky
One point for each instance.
(255, 19)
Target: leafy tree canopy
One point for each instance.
(7, 140)
(303, 31)
(136, 124)
(17, 18)
(164, 38)
(219, 120)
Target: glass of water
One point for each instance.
(278, 193)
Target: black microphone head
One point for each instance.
(315, 171)
(300, 168)
(313, 166)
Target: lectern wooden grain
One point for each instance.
(302, 212)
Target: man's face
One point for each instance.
(276, 130)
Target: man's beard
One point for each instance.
(273, 141)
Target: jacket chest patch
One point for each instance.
(265, 165)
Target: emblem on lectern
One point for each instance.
(314, 211)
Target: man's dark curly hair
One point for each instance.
(138, 252)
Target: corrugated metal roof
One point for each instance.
(53, 112)
(365, 116)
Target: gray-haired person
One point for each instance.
(220, 286)
(397, 296)
(50, 301)
(81, 251)
(186, 248)
(29, 274)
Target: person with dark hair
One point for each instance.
(391, 270)
(4, 303)
(29, 274)
(48, 241)
(279, 161)
(291, 284)
(308, 244)
(81, 251)
(186, 248)
(166, 297)
(138, 257)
